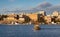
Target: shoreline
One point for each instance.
(30, 24)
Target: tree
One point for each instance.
(27, 19)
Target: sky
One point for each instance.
(23, 4)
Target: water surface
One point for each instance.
(27, 31)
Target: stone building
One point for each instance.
(55, 13)
(33, 17)
(47, 19)
(42, 12)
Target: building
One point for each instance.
(21, 20)
(33, 17)
(42, 12)
(10, 18)
(55, 13)
(47, 19)
(40, 18)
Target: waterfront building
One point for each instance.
(33, 17)
(59, 16)
(11, 15)
(20, 15)
(58, 19)
(10, 19)
(55, 13)
(40, 18)
(42, 12)
(16, 17)
(47, 19)
(27, 18)
(21, 20)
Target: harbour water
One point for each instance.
(28, 31)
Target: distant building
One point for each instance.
(42, 12)
(10, 18)
(40, 18)
(33, 17)
(55, 13)
(47, 19)
(20, 15)
(11, 15)
(27, 19)
(21, 20)
(59, 16)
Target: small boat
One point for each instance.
(36, 27)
